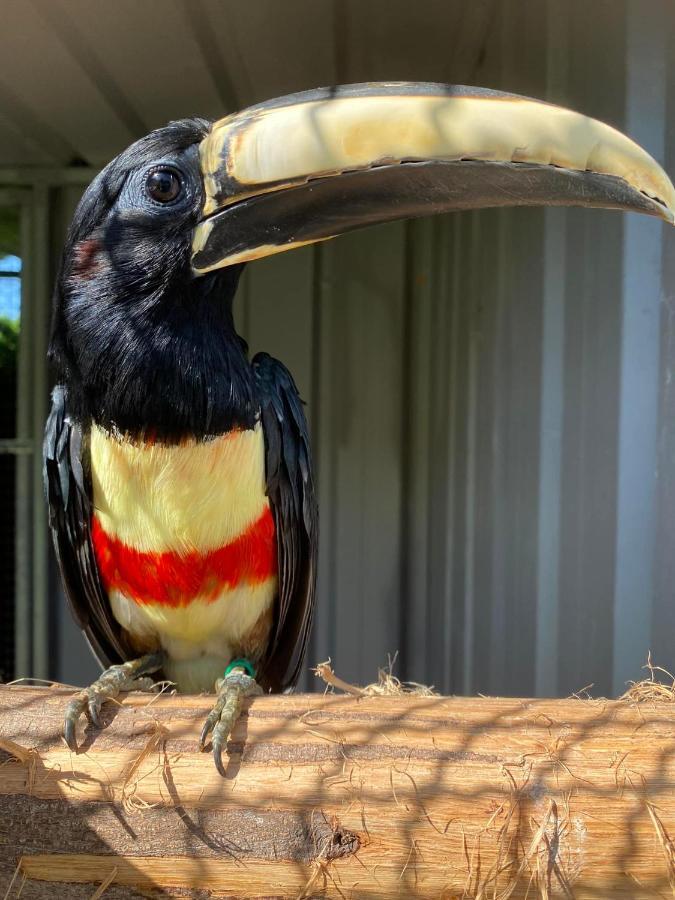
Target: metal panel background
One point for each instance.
(486, 407)
(491, 394)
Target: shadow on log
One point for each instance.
(372, 797)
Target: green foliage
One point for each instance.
(9, 343)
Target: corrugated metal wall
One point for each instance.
(491, 394)
(491, 403)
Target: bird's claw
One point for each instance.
(232, 691)
(94, 708)
(125, 677)
(211, 720)
(74, 710)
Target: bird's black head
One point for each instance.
(142, 345)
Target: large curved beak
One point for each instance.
(310, 166)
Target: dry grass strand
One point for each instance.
(387, 684)
(651, 690)
(666, 845)
(326, 673)
(17, 871)
(103, 887)
(129, 800)
(27, 756)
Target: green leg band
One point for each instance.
(244, 664)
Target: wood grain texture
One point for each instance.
(341, 797)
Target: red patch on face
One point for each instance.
(85, 257)
(174, 579)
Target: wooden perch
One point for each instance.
(353, 797)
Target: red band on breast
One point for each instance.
(174, 579)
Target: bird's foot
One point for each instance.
(238, 684)
(129, 676)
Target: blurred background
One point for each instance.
(490, 394)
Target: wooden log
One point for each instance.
(341, 797)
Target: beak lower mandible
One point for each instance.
(310, 166)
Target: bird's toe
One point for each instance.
(74, 710)
(208, 727)
(94, 704)
(125, 677)
(218, 742)
(232, 691)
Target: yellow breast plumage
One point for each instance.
(185, 540)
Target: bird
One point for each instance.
(178, 469)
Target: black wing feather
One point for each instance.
(290, 488)
(68, 491)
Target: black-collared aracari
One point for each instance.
(178, 471)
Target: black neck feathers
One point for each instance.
(165, 369)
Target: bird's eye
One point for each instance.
(163, 185)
